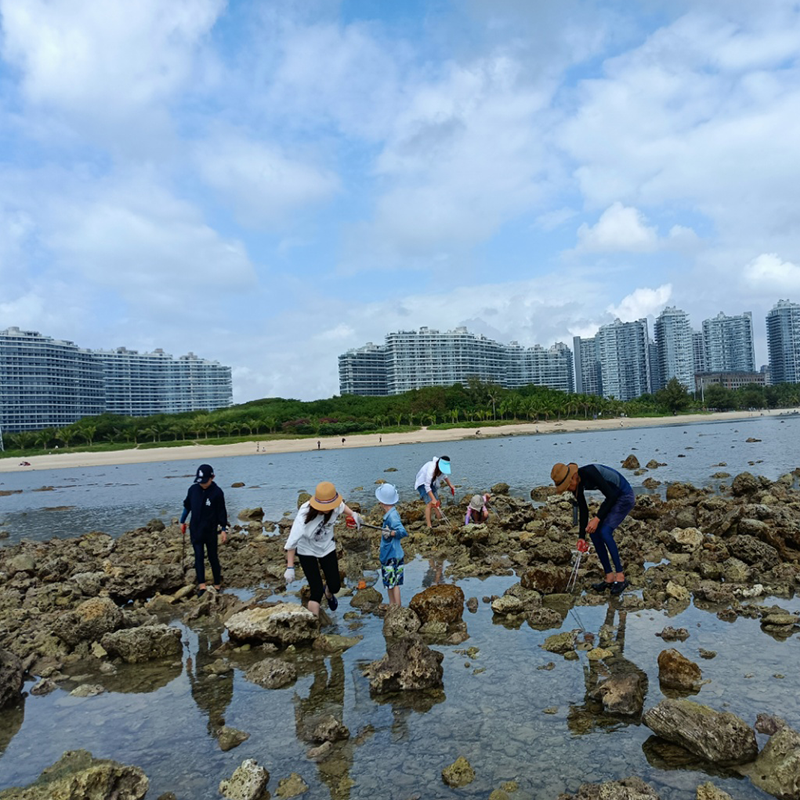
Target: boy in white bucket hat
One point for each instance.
(392, 563)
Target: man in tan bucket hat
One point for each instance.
(618, 502)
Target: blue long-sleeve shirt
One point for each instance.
(207, 510)
(391, 548)
(611, 483)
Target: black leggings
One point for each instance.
(209, 542)
(330, 567)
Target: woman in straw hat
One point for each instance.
(311, 537)
(618, 502)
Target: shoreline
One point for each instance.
(202, 452)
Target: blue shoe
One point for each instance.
(618, 587)
(333, 603)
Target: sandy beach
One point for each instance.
(206, 452)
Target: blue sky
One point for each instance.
(270, 184)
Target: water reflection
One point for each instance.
(590, 714)
(11, 719)
(212, 690)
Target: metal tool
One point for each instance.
(583, 547)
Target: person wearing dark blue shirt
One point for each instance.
(618, 502)
(205, 506)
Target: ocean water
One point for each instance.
(70, 502)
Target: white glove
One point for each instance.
(357, 520)
(288, 576)
(387, 533)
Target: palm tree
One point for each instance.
(88, 432)
(23, 440)
(44, 437)
(65, 435)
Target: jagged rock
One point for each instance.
(329, 729)
(677, 592)
(90, 621)
(546, 579)
(507, 604)
(89, 583)
(272, 673)
(631, 462)
(680, 491)
(500, 488)
(544, 618)
(459, 773)
(736, 571)
(560, 642)
(228, 738)
(720, 737)
(472, 605)
(44, 686)
(777, 768)
(769, 724)
(248, 782)
(335, 643)
(745, 483)
(292, 786)
(653, 464)
(409, 664)
(675, 671)
(622, 694)
(626, 789)
(10, 678)
(750, 550)
(670, 634)
(77, 775)
(367, 598)
(686, 540)
(135, 645)
(282, 624)
(400, 622)
(442, 603)
(87, 690)
(707, 791)
(251, 514)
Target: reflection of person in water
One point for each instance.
(433, 576)
(326, 699)
(212, 693)
(589, 715)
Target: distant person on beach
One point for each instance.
(342, 439)
(318, 444)
(618, 503)
(478, 433)
(205, 505)
(391, 555)
(311, 538)
(427, 484)
(478, 509)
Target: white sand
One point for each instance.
(206, 452)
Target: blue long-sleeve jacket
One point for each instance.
(604, 479)
(206, 508)
(391, 548)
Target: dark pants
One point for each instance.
(603, 537)
(208, 541)
(330, 567)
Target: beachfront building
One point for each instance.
(624, 354)
(783, 342)
(730, 380)
(728, 344)
(699, 349)
(49, 383)
(428, 357)
(675, 348)
(588, 379)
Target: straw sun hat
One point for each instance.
(562, 475)
(325, 498)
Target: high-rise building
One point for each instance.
(675, 346)
(656, 381)
(699, 348)
(363, 371)
(624, 353)
(48, 383)
(728, 344)
(414, 359)
(588, 378)
(783, 342)
(45, 382)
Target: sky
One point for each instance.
(269, 184)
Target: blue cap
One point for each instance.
(444, 464)
(204, 473)
(387, 494)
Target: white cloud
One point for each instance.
(261, 183)
(619, 229)
(555, 219)
(769, 273)
(642, 302)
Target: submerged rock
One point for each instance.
(409, 664)
(228, 738)
(77, 775)
(292, 786)
(147, 642)
(622, 694)
(248, 782)
(675, 671)
(626, 789)
(459, 773)
(272, 673)
(282, 624)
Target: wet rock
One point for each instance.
(680, 491)
(653, 464)
(329, 729)
(707, 791)
(272, 673)
(745, 484)
(780, 619)
(507, 604)
(651, 483)
(555, 552)
(677, 592)
(560, 642)
(91, 620)
(472, 605)
(400, 622)
(670, 634)
(675, 671)
(736, 571)
(79, 776)
(44, 686)
(367, 599)
(335, 643)
(10, 678)
(720, 737)
(89, 583)
(459, 773)
(546, 579)
(282, 624)
(293, 786)
(769, 724)
(442, 603)
(750, 550)
(685, 540)
(631, 462)
(23, 562)
(87, 690)
(500, 488)
(251, 514)
(622, 694)
(136, 645)
(304, 497)
(409, 664)
(707, 654)
(777, 768)
(626, 789)
(248, 782)
(228, 738)
(542, 619)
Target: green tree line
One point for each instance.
(476, 404)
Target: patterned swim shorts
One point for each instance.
(392, 572)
